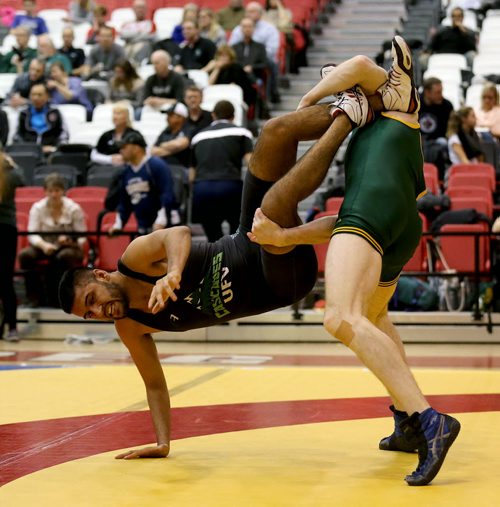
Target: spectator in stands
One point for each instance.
(35, 23)
(147, 188)
(266, 34)
(21, 54)
(107, 150)
(4, 128)
(126, 84)
(165, 86)
(226, 70)
(433, 117)
(190, 13)
(218, 153)
(229, 17)
(10, 179)
(100, 13)
(168, 45)
(19, 94)
(75, 55)
(66, 89)
(209, 28)
(54, 213)
(104, 55)
(40, 123)
(488, 114)
(195, 52)
(48, 54)
(279, 16)
(464, 145)
(452, 39)
(81, 11)
(139, 34)
(172, 144)
(250, 53)
(198, 118)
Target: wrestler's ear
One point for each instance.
(101, 275)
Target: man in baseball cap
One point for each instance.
(172, 144)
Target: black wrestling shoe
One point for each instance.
(399, 441)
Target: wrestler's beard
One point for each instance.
(119, 300)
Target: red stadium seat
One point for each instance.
(76, 192)
(472, 180)
(333, 204)
(471, 192)
(459, 251)
(474, 170)
(92, 207)
(431, 176)
(30, 192)
(109, 248)
(23, 204)
(479, 204)
(419, 261)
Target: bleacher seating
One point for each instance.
(111, 248)
(459, 251)
(419, 260)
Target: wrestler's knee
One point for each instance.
(363, 62)
(275, 127)
(341, 324)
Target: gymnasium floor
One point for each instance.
(253, 425)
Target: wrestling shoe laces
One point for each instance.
(399, 92)
(355, 105)
(438, 432)
(399, 440)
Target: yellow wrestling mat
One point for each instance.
(314, 464)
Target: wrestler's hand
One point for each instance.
(265, 231)
(164, 290)
(160, 451)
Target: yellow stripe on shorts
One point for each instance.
(362, 233)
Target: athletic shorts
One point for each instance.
(384, 178)
(291, 276)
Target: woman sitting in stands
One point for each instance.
(210, 29)
(464, 145)
(57, 252)
(66, 89)
(488, 114)
(107, 150)
(126, 84)
(224, 69)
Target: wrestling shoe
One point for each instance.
(399, 440)
(326, 69)
(437, 432)
(355, 105)
(399, 93)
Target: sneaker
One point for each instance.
(399, 93)
(399, 440)
(12, 336)
(326, 69)
(355, 105)
(437, 434)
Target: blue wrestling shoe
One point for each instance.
(399, 440)
(399, 93)
(437, 432)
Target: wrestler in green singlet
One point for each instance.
(384, 178)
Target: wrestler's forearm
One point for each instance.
(159, 406)
(312, 233)
(177, 243)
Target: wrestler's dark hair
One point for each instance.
(76, 277)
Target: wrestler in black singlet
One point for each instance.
(232, 277)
